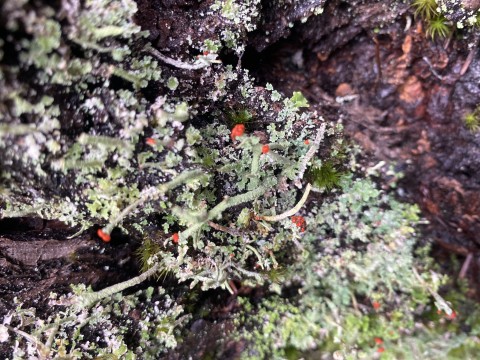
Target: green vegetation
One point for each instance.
(438, 26)
(436, 23)
(325, 176)
(86, 142)
(239, 117)
(443, 16)
(472, 120)
(426, 9)
(106, 325)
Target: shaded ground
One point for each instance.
(400, 95)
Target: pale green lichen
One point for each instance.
(359, 249)
(62, 334)
(121, 156)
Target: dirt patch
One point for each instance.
(37, 257)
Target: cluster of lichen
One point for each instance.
(359, 293)
(86, 144)
(140, 158)
(98, 152)
(74, 61)
(108, 329)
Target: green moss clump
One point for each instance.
(325, 176)
(426, 9)
(438, 27)
(242, 116)
(436, 23)
(145, 252)
(472, 120)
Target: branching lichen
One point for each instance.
(101, 133)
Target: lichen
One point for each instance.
(64, 334)
(99, 128)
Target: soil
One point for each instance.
(400, 95)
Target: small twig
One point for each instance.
(377, 59)
(468, 60)
(290, 212)
(177, 63)
(225, 229)
(308, 156)
(434, 72)
(465, 266)
(448, 40)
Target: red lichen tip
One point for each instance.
(265, 149)
(376, 305)
(103, 235)
(452, 316)
(380, 350)
(175, 238)
(306, 142)
(378, 341)
(300, 222)
(150, 141)
(237, 130)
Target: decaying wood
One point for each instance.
(29, 253)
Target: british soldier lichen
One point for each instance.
(106, 130)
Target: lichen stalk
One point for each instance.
(89, 299)
(290, 212)
(309, 155)
(224, 205)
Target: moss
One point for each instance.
(426, 9)
(472, 120)
(442, 16)
(438, 27)
(325, 176)
(241, 116)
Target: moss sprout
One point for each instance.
(242, 116)
(426, 9)
(325, 176)
(145, 252)
(472, 120)
(438, 27)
